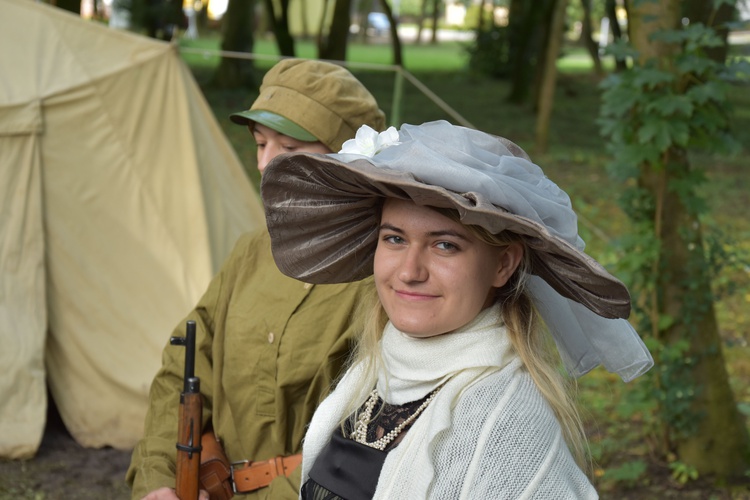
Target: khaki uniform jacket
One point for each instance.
(268, 349)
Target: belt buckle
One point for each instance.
(232, 466)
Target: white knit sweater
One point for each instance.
(488, 434)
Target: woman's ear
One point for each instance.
(509, 261)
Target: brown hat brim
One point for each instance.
(327, 232)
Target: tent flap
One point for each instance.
(25, 118)
(23, 309)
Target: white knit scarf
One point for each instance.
(412, 368)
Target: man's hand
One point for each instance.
(169, 494)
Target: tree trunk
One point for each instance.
(588, 37)
(280, 27)
(702, 11)
(528, 24)
(322, 26)
(237, 37)
(435, 17)
(420, 21)
(398, 56)
(333, 46)
(715, 441)
(364, 8)
(614, 25)
(303, 19)
(73, 6)
(546, 15)
(480, 16)
(547, 92)
(202, 18)
(519, 39)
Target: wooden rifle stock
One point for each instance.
(190, 422)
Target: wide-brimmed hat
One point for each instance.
(323, 210)
(313, 101)
(323, 215)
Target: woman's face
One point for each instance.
(271, 144)
(433, 275)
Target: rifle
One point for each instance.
(190, 421)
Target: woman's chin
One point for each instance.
(419, 333)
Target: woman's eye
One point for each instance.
(447, 246)
(393, 239)
(261, 145)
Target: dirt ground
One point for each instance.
(64, 470)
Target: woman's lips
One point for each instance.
(417, 296)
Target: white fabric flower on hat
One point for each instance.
(368, 142)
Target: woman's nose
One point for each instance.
(413, 266)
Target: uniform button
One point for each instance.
(270, 337)
(308, 286)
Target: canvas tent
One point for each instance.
(119, 198)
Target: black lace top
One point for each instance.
(348, 470)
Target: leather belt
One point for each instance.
(250, 476)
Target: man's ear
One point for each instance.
(509, 261)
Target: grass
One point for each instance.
(576, 160)
(445, 57)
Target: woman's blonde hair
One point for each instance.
(526, 332)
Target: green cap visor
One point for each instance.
(273, 121)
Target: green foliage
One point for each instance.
(682, 472)
(695, 38)
(651, 113)
(473, 11)
(489, 54)
(727, 256)
(676, 393)
(628, 473)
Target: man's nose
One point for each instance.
(267, 154)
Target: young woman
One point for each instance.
(453, 392)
